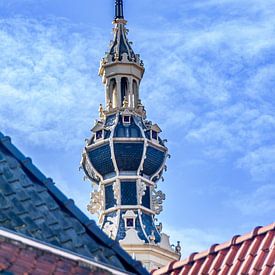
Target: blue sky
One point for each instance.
(209, 84)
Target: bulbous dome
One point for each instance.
(124, 144)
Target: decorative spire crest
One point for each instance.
(119, 9)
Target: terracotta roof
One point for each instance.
(32, 205)
(252, 253)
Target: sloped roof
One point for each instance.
(19, 254)
(253, 253)
(32, 205)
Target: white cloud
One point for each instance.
(210, 75)
(256, 203)
(221, 72)
(48, 93)
(260, 163)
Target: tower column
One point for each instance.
(118, 92)
(136, 92)
(107, 93)
(130, 93)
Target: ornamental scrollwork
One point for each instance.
(96, 203)
(110, 227)
(116, 189)
(157, 198)
(141, 187)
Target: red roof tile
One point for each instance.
(252, 253)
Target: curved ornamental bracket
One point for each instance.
(96, 205)
(157, 200)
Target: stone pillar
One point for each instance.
(130, 93)
(118, 92)
(107, 93)
(136, 92)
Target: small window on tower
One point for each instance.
(130, 222)
(129, 219)
(99, 134)
(154, 135)
(126, 119)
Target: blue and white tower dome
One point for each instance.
(125, 157)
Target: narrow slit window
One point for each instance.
(154, 135)
(99, 134)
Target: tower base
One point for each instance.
(152, 256)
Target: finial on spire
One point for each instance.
(119, 9)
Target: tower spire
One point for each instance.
(125, 157)
(119, 9)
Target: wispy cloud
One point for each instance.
(211, 75)
(48, 93)
(216, 76)
(255, 203)
(260, 163)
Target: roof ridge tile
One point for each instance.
(231, 255)
(191, 257)
(212, 248)
(234, 240)
(255, 231)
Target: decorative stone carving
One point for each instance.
(159, 227)
(152, 237)
(141, 109)
(101, 111)
(96, 203)
(125, 102)
(157, 198)
(116, 56)
(178, 248)
(116, 189)
(110, 226)
(125, 58)
(109, 105)
(141, 187)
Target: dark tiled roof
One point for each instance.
(18, 255)
(31, 204)
(253, 253)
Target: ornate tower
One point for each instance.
(125, 157)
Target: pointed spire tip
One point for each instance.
(119, 9)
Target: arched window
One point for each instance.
(124, 88)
